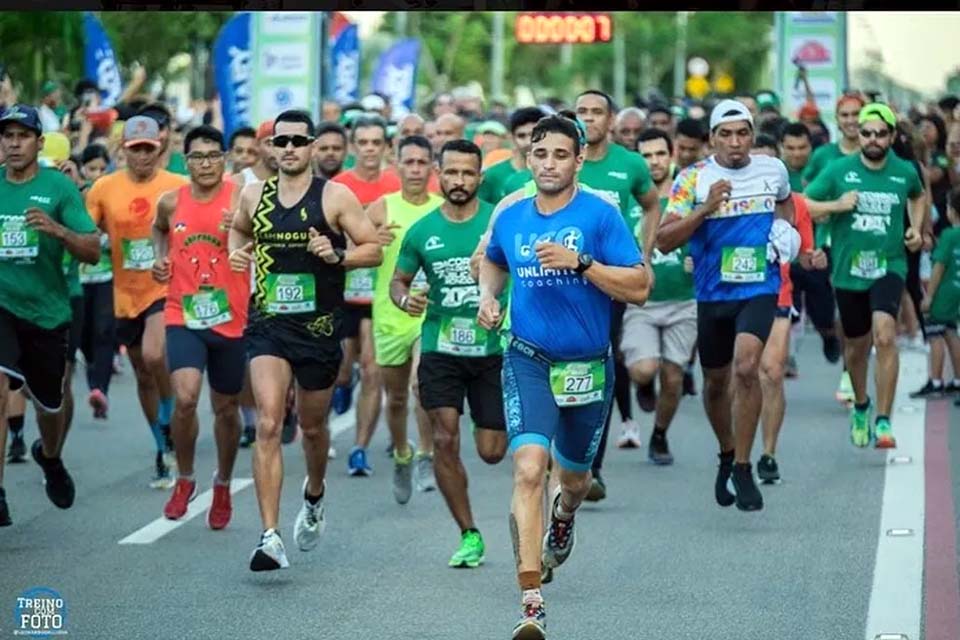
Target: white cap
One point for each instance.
(373, 102)
(729, 111)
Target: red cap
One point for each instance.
(265, 130)
(808, 111)
(851, 97)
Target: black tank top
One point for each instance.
(285, 271)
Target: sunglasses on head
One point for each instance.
(882, 133)
(298, 141)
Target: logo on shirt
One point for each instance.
(303, 214)
(41, 199)
(852, 177)
(898, 179)
(433, 242)
(618, 174)
(140, 207)
(180, 227)
(525, 244)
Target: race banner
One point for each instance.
(818, 41)
(99, 62)
(286, 59)
(345, 63)
(233, 73)
(396, 76)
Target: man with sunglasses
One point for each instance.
(864, 198)
(295, 228)
(123, 204)
(205, 313)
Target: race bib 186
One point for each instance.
(462, 337)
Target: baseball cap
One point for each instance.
(768, 100)
(878, 111)
(808, 111)
(851, 97)
(141, 130)
(48, 87)
(373, 102)
(56, 147)
(265, 130)
(24, 115)
(492, 126)
(729, 111)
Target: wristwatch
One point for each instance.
(585, 261)
(341, 255)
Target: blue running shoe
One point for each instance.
(341, 399)
(357, 464)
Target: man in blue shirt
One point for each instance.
(569, 254)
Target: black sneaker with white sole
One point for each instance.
(928, 390)
(59, 484)
(724, 470)
(767, 470)
(18, 449)
(748, 496)
(659, 450)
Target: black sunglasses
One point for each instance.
(298, 141)
(882, 133)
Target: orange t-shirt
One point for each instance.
(125, 210)
(803, 225)
(367, 191)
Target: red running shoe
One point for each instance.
(184, 491)
(98, 402)
(218, 517)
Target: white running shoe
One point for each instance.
(331, 453)
(629, 435)
(426, 479)
(269, 554)
(310, 522)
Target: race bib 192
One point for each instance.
(291, 293)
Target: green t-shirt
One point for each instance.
(493, 186)
(71, 271)
(442, 248)
(671, 282)
(178, 164)
(622, 175)
(821, 157)
(518, 180)
(796, 179)
(868, 241)
(945, 306)
(31, 263)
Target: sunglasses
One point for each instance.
(297, 141)
(880, 135)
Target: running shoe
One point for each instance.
(58, 483)
(289, 432)
(99, 403)
(184, 492)
(659, 451)
(162, 478)
(248, 437)
(767, 470)
(546, 575)
(845, 390)
(331, 453)
(560, 538)
(269, 554)
(647, 396)
(929, 390)
(533, 620)
(860, 426)
(357, 464)
(167, 439)
(5, 520)
(426, 478)
(791, 370)
(952, 387)
(470, 555)
(831, 349)
(689, 386)
(883, 436)
(748, 496)
(598, 488)
(18, 449)
(403, 476)
(629, 435)
(118, 362)
(310, 523)
(720, 490)
(221, 508)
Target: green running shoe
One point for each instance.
(860, 427)
(470, 554)
(884, 435)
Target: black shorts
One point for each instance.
(34, 357)
(446, 379)
(937, 328)
(812, 290)
(315, 359)
(76, 328)
(353, 315)
(195, 349)
(719, 323)
(857, 307)
(130, 330)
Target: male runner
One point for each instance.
(622, 176)
(735, 210)
(368, 182)
(568, 252)
(123, 204)
(266, 165)
(864, 197)
(459, 359)
(331, 150)
(205, 314)
(690, 142)
(244, 151)
(294, 229)
(44, 217)
(493, 187)
(396, 336)
(628, 125)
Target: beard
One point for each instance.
(873, 152)
(458, 196)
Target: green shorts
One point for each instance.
(394, 350)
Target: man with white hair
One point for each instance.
(628, 126)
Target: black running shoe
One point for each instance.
(928, 390)
(248, 437)
(289, 433)
(689, 386)
(767, 470)
(831, 349)
(748, 496)
(5, 520)
(598, 488)
(659, 450)
(647, 397)
(58, 482)
(167, 439)
(720, 490)
(952, 387)
(18, 449)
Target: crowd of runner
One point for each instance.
(533, 266)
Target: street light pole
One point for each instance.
(680, 60)
(619, 66)
(496, 65)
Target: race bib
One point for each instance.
(17, 239)
(359, 286)
(96, 273)
(137, 254)
(868, 265)
(577, 383)
(743, 264)
(206, 308)
(291, 293)
(461, 337)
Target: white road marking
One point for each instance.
(895, 600)
(161, 526)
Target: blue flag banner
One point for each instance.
(345, 62)
(233, 73)
(396, 75)
(99, 62)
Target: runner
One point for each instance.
(736, 211)
(205, 314)
(558, 370)
(244, 151)
(45, 218)
(659, 336)
(368, 182)
(123, 205)
(869, 261)
(16, 408)
(622, 176)
(266, 165)
(494, 184)
(459, 359)
(396, 336)
(331, 150)
(295, 319)
(628, 126)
